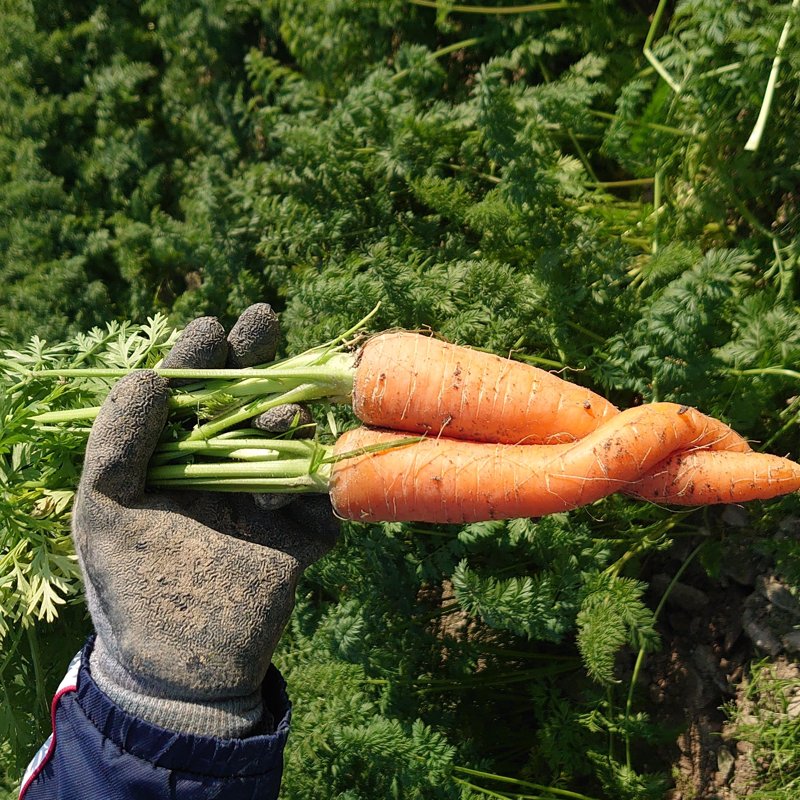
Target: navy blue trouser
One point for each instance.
(99, 752)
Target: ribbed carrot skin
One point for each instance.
(409, 382)
(449, 481)
(704, 478)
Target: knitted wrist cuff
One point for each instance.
(233, 718)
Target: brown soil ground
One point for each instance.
(711, 632)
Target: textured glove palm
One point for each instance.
(189, 592)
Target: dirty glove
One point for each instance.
(189, 592)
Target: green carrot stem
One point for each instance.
(236, 389)
(754, 142)
(325, 367)
(250, 454)
(284, 468)
(220, 444)
(545, 362)
(337, 370)
(641, 654)
(331, 380)
(314, 357)
(240, 433)
(310, 472)
(254, 449)
(254, 454)
(298, 485)
(325, 354)
(63, 429)
(628, 182)
(301, 394)
(66, 415)
(451, 48)
(638, 123)
(301, 449)
(463, 9)
(788, 373)
(651, 56)
(526, 784)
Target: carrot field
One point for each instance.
(607, 190)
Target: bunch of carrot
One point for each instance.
(459, 435)
(505, 439)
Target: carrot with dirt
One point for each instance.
(409, 382)
(442, 480)
(704, 478)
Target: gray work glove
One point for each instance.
(189, 592)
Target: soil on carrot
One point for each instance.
(712, 632)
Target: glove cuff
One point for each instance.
(231, 718)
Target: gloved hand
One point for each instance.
(189, 592)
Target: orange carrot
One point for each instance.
(445, 480)
(703, 478)
(409, 382)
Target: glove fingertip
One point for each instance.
(254, 337)
(201, 345)
(284, 418)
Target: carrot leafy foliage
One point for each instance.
(568, 183)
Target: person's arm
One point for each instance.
(175, 695)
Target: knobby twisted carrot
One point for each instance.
(662, 452)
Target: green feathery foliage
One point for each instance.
(42, 621)
(529, 183)
(612, 614)
(358, 752)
